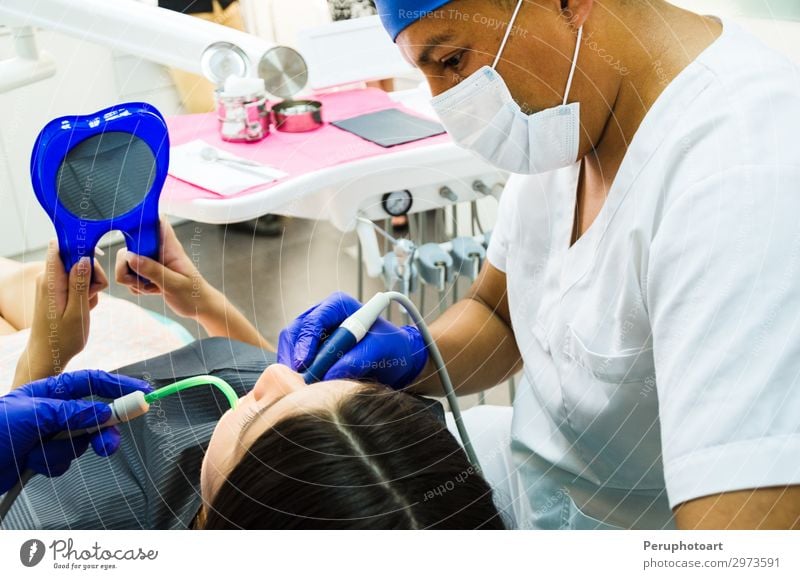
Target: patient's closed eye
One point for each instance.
(250, 417)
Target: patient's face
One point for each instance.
(278, 393)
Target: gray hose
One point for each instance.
(11, 496)
(441, 368)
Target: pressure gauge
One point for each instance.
(398, 203)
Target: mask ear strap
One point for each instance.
(574, 64)
(508, 33)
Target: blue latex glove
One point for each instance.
(390, 355)
(45, 408)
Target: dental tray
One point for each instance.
(390, 127)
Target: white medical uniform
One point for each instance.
(662, 350)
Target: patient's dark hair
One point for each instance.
(377, 460)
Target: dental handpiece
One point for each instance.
(345, 337)
(356, 327)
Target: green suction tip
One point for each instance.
(187, 383)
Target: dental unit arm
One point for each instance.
(169, 38)
(356, 327)
(126, 409)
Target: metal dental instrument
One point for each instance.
(211, 154)
(400, 269)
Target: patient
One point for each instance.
(338, 455)
(122, 332)
(333, 455)
(17, 292)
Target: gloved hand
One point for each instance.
(390, 355)
(34, 413)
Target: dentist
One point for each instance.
(644, 271)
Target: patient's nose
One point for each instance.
(277, 379)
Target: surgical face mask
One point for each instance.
(480, 115)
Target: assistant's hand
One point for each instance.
(390, 355)
(60, 327)
(31, 415)
(175, 277)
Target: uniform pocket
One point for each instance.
(625, 366)
(581, 521)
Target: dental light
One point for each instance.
(163, 36)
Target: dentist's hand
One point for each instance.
(33, 414)
(390, 355)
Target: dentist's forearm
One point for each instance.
(478, 347)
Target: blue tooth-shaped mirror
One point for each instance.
(103, 172)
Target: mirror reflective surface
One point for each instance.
(105, 176)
